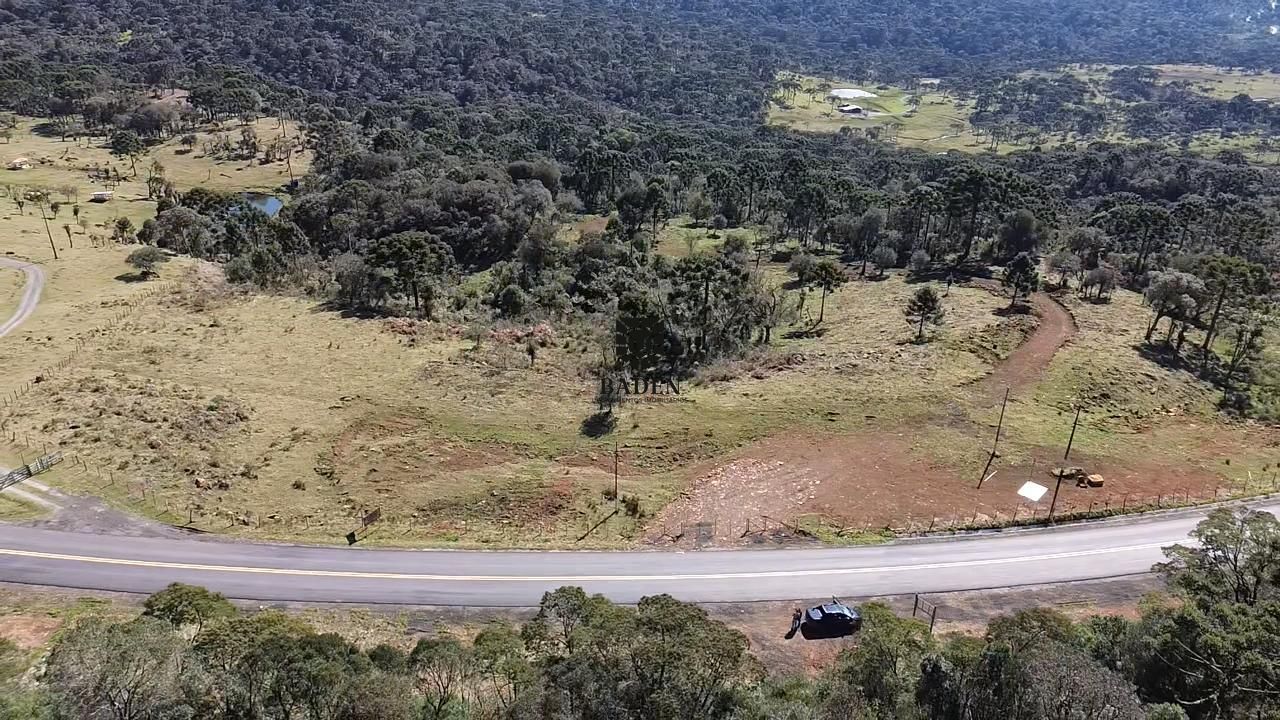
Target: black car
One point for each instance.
(832, 620)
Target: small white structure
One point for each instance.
(850, 93)
(20, 164)
(1032, 491)
(101, 196)
(927, 82)
(851, 110)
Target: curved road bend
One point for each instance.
(424, 577)
(30, 294)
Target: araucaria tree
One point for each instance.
(1020, 277)
(925, 306)
(417, 261)
(828, 276)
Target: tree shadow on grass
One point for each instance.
(806, 333)
(1164, 355)
(1020, 308)
(599, 424)
(353, 313)
(133, 277)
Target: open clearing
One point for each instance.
(273, 418)
(918, 118)
(929, 118)
(84, 286)
(1219, 82)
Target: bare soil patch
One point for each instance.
(28, 631)
(865, 480)
(922, 472)
(1027, 363)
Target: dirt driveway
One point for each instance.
(890, 477)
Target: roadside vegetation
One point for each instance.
(1204, 650)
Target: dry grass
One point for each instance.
(15, 509)
(1135, 409)
(11, 284)
(85, 285)
(239, 410)
(1219, 82)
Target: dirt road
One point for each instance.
(30, 294)
(1029, 361)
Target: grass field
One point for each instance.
(1219, 82)
(934, 121)
(916, 119)
(84, 285)
(13, 508)
(269, 417)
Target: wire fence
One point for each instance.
(813, 528)
(14, 394)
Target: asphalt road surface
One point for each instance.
(30, 294)
(424, 577)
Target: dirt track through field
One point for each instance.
(30, 295)
(877, 477)
(1026, 365)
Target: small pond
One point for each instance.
(269, 204)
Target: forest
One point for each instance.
(448, 157)
(1207, 650)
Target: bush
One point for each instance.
(920, 261)
(145, 259)
(803, 267)
(884, 257)
(631, 504)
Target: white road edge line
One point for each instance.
(572, 578)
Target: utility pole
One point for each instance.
(41, 202)
(1065, 455)
(991, 458)
(616, 497)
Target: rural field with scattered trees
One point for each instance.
(597, 275)
(499, 318)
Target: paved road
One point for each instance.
(316, 574)
(30, 294)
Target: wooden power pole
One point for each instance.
(1065, 455)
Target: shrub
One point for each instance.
(920, 261)
(631, 504)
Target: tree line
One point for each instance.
(1130, 100)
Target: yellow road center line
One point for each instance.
(570, 578)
